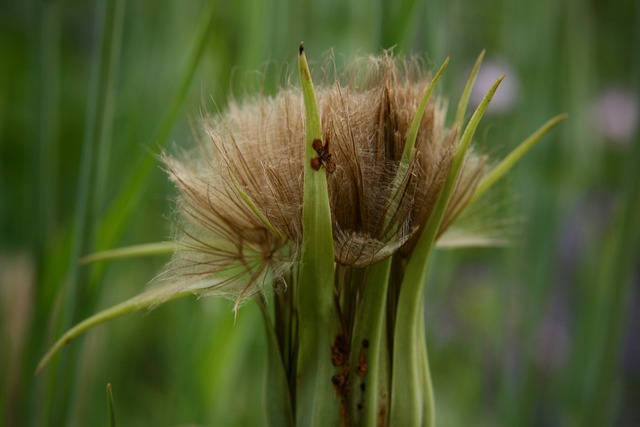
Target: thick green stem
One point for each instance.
(369, 362)
(278, 408)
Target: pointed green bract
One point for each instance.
(409, 391)
(513, 158)
(143, 301)
(316, 401)
(407, 152)
(410, 143)
(148, 249)
(466, 93)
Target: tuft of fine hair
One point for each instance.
(239, 225)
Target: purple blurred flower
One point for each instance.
(507, 96)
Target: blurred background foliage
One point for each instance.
(542, 333)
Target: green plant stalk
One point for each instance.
(316, 401)
(278, 408)
(370, 363)
(408, 390)
(428, 401)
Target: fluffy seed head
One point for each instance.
(241, 189)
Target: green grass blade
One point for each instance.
(316, 403)
(112, 414)
(129, 197)
(110, 62)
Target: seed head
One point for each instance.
(241, 189)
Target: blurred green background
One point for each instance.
(543, 333)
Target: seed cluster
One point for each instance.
(241, 189)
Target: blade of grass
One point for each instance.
(112, 415)
(129, 197)
(80, 232)
(110, 62)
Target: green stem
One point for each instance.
(278, 408)
(369, 361)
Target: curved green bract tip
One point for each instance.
(415, 124)
(148, 249)
(143, 301)
(466, 93)
(514, 157)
